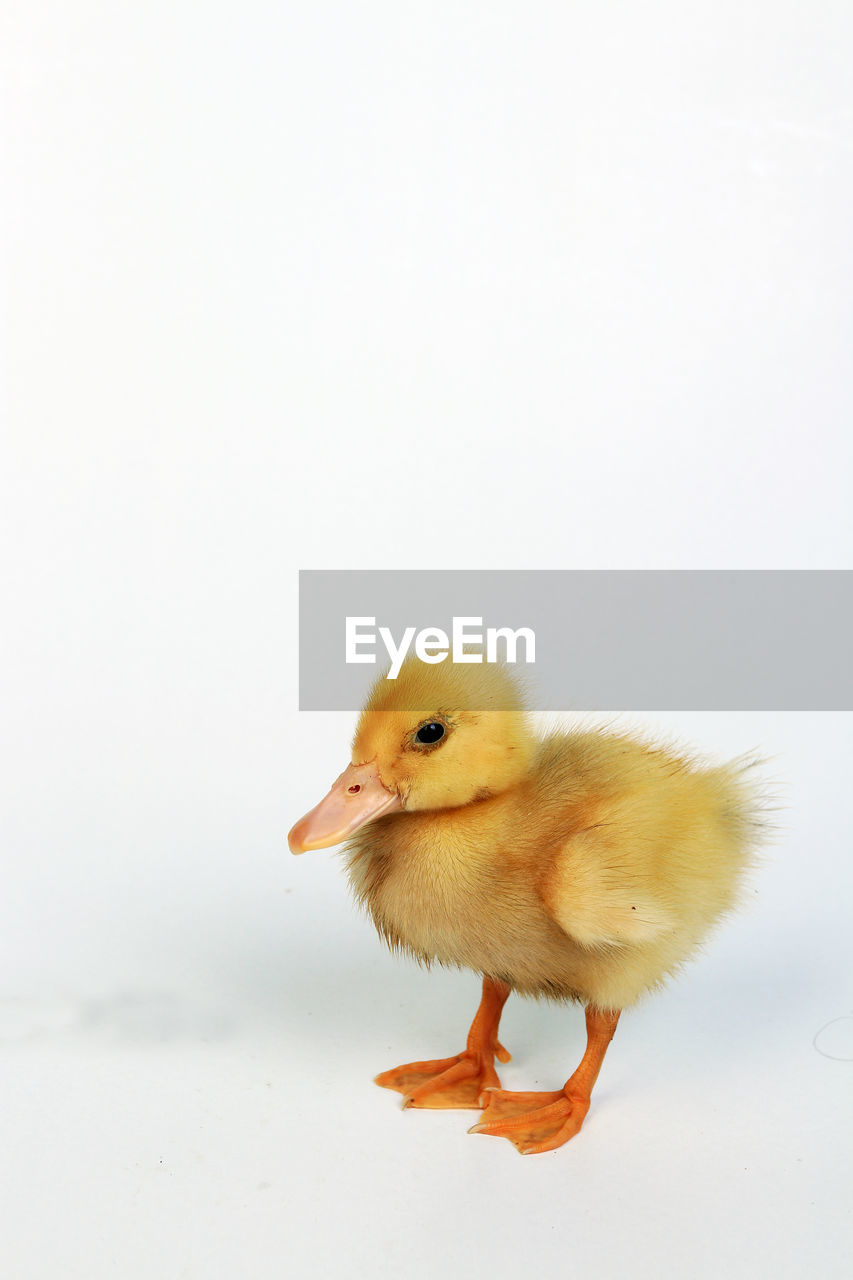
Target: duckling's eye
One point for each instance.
(430, 733)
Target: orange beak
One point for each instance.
(358, 796)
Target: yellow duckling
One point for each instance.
(583, 866)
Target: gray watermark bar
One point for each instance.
(599, 640)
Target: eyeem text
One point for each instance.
(432, 644)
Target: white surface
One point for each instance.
(332, 286)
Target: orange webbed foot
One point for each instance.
(532, 1122)
(444, 1083)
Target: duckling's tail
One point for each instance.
(749, 798)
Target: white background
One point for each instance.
(396, 285)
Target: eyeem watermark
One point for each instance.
(605, 640)
(432, 644)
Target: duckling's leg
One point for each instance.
(458, 1081)
(536, 1122)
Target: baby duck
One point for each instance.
(578, 866)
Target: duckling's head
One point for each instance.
(438, 737)
(445, 735)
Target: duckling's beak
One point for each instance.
(357, 797)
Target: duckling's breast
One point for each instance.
(442, 896)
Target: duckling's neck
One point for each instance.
(435, 847)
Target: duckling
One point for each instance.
(578, 866)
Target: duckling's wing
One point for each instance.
(660, 847)
(598, 895)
